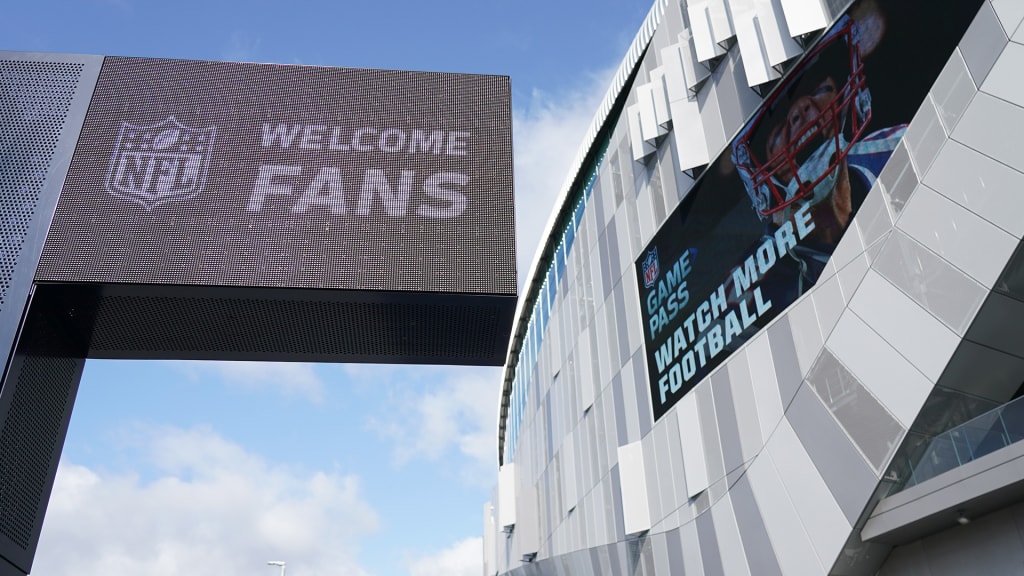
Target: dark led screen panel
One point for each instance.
(756, 231)
(236, 174)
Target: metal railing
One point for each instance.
(984, 434)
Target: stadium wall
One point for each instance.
(774, 459)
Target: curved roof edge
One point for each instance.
(541, 257)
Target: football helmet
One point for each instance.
(791, 151)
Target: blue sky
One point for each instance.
(215, 468)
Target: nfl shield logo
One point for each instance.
(161, 163)
(651, 269)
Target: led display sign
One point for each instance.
(238, 174)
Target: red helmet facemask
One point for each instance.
(805, 129)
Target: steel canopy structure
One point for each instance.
(172, 209)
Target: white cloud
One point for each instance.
(548, 133)
(290, 378)
(440, 410)
(213, 508)
(464, 558)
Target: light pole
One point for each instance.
(277, 563)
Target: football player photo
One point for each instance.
(813, 147)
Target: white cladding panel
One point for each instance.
(804, 16)
(694, 463)
(507, 495)
(490, 541)
(636, 515)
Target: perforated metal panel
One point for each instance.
(43, 100)
(267, 328)
(226, 323)
(35, 98)
(30, 434)
(36, 401)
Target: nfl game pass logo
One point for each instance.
(651, 269)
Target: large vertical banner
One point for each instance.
(759, 227)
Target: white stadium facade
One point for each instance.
(776, 324)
